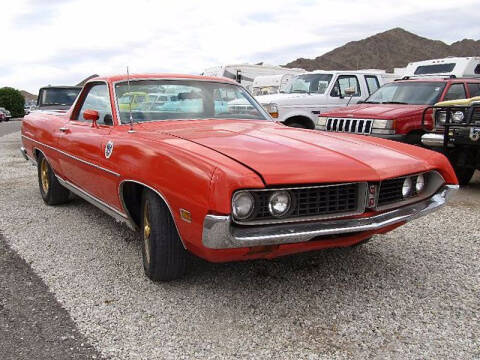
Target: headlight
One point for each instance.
(322, 121)
(458, 116)
(242, 205)
(407, 187)
(272, 109)
(279, 203)
(441, 117)
(382, 124)
(419, 184)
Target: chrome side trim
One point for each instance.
(220, 233)
(116, 214)
(73, 157)
(24, 153)
(432, 140)
(120, 195)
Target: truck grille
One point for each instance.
(315, 201)
(356, 126)
(390, 191)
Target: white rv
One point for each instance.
(313, 93)
(271, 84)
(451, 66)
(245, 74)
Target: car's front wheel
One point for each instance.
(464, 174)
(164, 257)
(53, 193)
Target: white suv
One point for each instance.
(320, 91)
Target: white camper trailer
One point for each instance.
(448, 67)
(246, 73)
(271, 84)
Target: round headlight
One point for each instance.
(458, 116)
(407, 187)
(419, 184)
(242, 205)
(279, 203)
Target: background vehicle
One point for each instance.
(395, 111)
(447, 67)
(7, 113)
(57, 98)
(2, 116)
(314, 93)
(457, 135)
(271, 84)
(245, 74)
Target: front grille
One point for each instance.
(356, 126)
(313, 201)
(390, 191)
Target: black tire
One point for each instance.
(164, 257)
(464, 175)
(52, 193)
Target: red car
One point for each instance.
(395, 110)
(194, 173)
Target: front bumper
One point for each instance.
(219, 232)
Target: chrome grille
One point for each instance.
(356, 126)
(315, 201)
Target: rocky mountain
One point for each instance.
(28, 97)
(393, 48)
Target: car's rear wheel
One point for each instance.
(52, 192)
(164, 257)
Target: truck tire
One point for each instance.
(296, 125)
(53, 193)
(164, 257)
(464, 175)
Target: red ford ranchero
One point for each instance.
(197, 165)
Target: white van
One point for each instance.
(313, 93)
(451, 66)
(271, 84)
(245, 74)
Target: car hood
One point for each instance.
(282, 99)
(284, 155)
(377, 111)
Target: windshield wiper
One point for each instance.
(299, 91)
(371, 102)
(394, 102)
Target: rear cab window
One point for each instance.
(372, 83)
(473, 89)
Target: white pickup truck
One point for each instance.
(313, 93)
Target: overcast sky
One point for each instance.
(61, 42)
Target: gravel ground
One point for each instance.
(411, 294)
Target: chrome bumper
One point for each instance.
(432, 140)
(220, 233)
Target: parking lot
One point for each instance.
(411, 294)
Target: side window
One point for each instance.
(372, 83)
(98, 99)
(455, 91)
(344, 82)
(474, 89)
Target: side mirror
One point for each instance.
(350, 91)
(91, 115)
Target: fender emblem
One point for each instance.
(109, 149)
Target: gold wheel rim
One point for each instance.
(147, 230)
(44, 175)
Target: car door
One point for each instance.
(338, 97)
(85, 158)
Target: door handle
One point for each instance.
(63, 129)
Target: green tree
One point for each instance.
(12, 100)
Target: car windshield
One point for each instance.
(58, 96)
(310, 83)
(185, 100)
(412, 93)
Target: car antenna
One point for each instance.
(130, 131)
